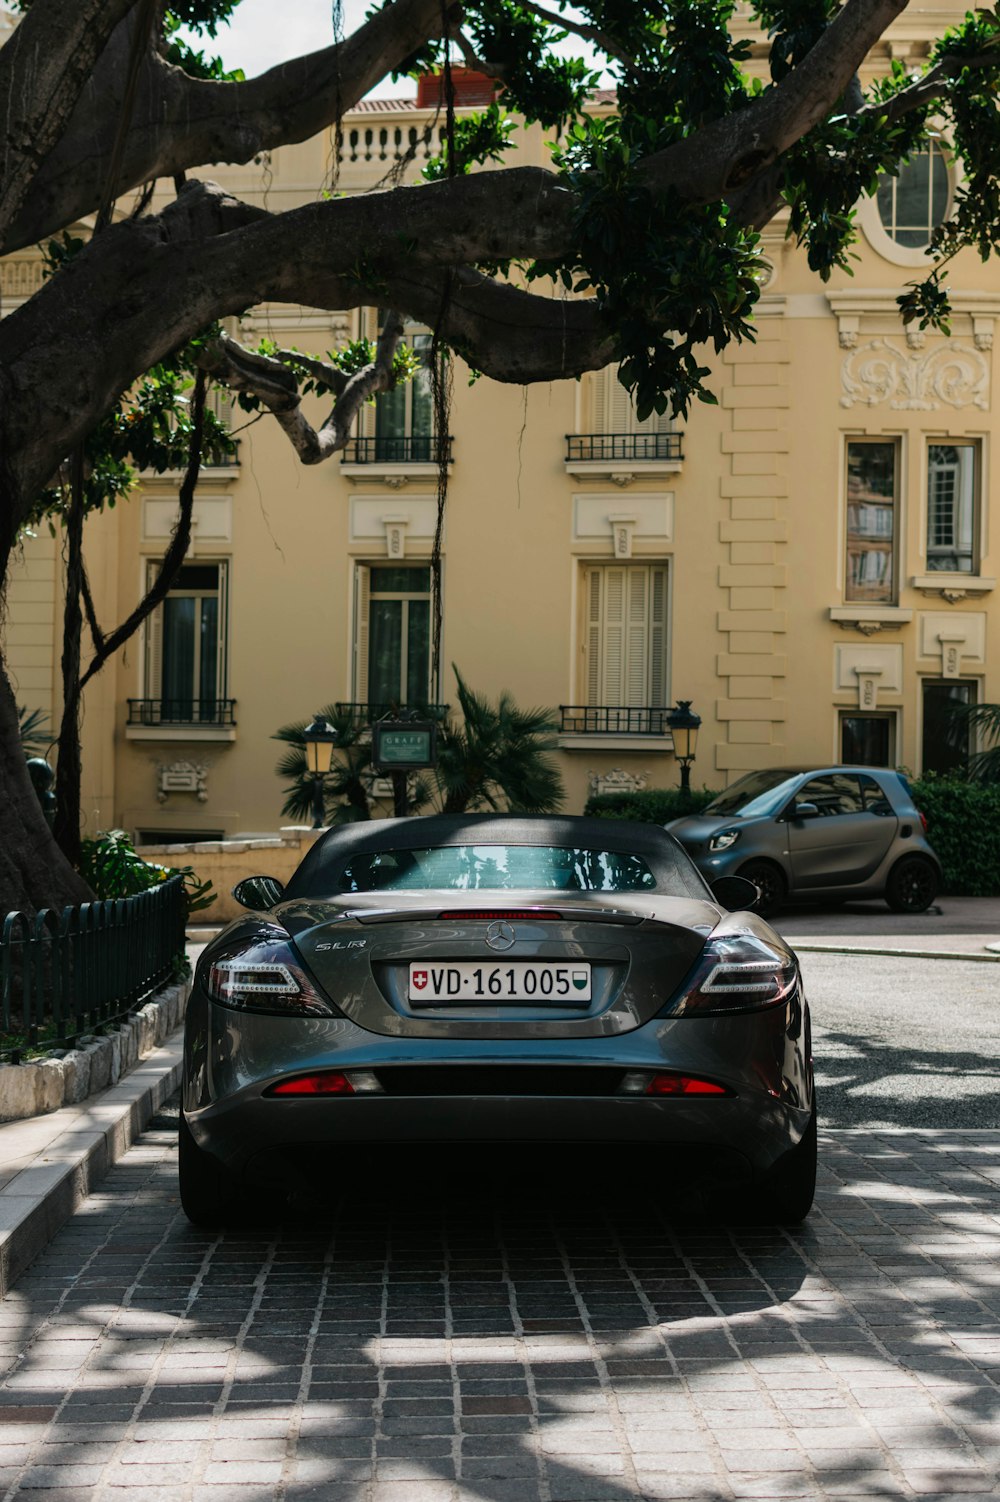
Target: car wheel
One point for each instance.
(789, 1193)
(770, 883)
(912, 885)
(209, 1196)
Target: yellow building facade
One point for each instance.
(812, 562)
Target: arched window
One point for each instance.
(915, 201)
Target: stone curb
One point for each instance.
(40, 1086)
(902, 954)
(85, 1142)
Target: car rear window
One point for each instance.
(508, 868)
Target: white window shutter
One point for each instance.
(636, 637)
(222, 646)
(362, 613)
(614, 636)
(153, 665)
(658, 638)
(594, 635)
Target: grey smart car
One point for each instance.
(496, 979)
(804, 834)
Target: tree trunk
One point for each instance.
(66, 826)
(34, 873)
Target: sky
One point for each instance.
(262, 34)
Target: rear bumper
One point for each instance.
(232, 1058)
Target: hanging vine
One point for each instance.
(442, 386)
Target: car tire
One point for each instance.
(203, 1199)
(209, 1196)
(769, 879)
(912, 885)
(789, 1193)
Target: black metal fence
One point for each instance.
(591, 448)
(63, 974)
(613, 719)
(418, 448)
(181, 711)
(364, 715)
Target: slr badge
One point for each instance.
(501, 935)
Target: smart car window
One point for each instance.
(758, 793)
(834, 793)
(876, 801)
(459, 868)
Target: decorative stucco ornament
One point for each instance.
(955, 375)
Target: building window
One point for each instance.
(945, 746)
(626, 635)
(868, 740)
(186, 646)
(392, 634)
(404, 417)
(913, 203)
(613, 417)
(952, 507)
(871, 522)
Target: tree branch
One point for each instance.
(173, 558)
(44, 69)
(96, 634)
(584, 29)
(275, 385)
(725, 154)
(929, 87)
(183, 122)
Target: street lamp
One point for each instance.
(320, 738)
(684, 725)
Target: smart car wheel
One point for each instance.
(912, 885)
(770, 884)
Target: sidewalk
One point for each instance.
(49, 1164)
(954, 928)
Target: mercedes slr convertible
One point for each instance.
(504, 980)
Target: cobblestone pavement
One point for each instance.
(517, 1337)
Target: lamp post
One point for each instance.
(320, 738)
(684, 725)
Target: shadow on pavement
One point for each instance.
(555, 1328)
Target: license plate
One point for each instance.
(470, 981)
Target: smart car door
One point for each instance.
(834, 841)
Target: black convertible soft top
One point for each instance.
(318, 875)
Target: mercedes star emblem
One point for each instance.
(501, 935)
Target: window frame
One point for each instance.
(364, 597)
(963, 441)
(652, 691)
(893, 440)
(885, 716)
(154, 640)
(975, 687)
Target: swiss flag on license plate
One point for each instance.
(419, 979)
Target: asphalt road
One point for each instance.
(905, 1042)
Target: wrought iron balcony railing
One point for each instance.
(363, 715)
(614, 719)
(181, 711)
(597, 448)
(418, 449)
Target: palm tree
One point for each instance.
(499, 758)
(980, 722)
(347, 787)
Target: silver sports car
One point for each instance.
(501, 979)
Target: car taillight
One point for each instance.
(683, 1084)
(262, 973)
(738, 972)
(923, 820)
(324, 1082)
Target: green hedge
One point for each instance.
(656, 806)
(963, 826)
